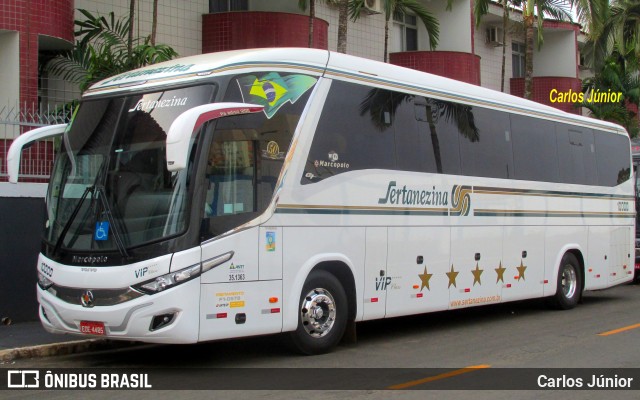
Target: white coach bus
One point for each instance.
(295, 190)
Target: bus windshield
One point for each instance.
(110, 188)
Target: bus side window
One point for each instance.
(440, 124)
(354, 132)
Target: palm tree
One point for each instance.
(557, 9)
(480, 8)
(621, 31)
(302, 4)
(343, 19)
(343, 16)
(103, 51)
(392, 7)
(154, 23)
(616, 78)
(132, 12)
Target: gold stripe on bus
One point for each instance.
(575, 196)
(357, 208)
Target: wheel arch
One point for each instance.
(344, 274)
(578, 252)
(339, 266)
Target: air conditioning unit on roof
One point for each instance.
(494, 36)
(373, 6)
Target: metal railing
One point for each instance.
(36, 161)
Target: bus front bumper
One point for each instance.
(170, 316)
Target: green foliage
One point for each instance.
(613, 76)
(101, 51)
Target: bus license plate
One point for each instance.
(92, 328)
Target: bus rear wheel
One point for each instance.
(569, 283)
(322, 314)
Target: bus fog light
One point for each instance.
(160, 321)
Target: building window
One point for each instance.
(517, 60)
(216, 6)
(405, 32)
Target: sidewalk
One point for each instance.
(29, 340)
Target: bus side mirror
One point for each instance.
(183, 127)
(22, 141)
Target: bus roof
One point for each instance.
(333, 65)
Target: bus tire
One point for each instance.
(322, 314)
(569, 283)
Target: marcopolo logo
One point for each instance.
(90, 259)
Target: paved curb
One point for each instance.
(60, 349)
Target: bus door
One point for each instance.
(375, 274)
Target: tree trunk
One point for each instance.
(435, 142)
(528, 19)
(343, 14)
(312, 16)
(132, 13)
(154, 23)
(386, 40)
(505, 26)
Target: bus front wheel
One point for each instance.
(322, 314)
(569, 283)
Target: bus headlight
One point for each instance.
(169, 280)
(44, 282)
(172, 279)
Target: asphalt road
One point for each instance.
(426, 352)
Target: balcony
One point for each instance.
(254, 29)
(456, 65)
(542, 86)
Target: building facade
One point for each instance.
(32, 31)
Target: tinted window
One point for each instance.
(534, 149)
(576, 155)
(485, 145)
(412, 153)
(612, 154)
(440, 124)
(354, 132)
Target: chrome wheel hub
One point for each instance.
(318, 312)
(569, 281)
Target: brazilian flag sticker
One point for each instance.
(272, 90)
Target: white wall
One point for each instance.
(557, 57)
(9, 79)
(455, 26)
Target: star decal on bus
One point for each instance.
(425, 277)
(476, 275)
(500, 271)
(521, 270)
(452, 277)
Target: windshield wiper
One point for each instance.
(76, 210)
(97, 191)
